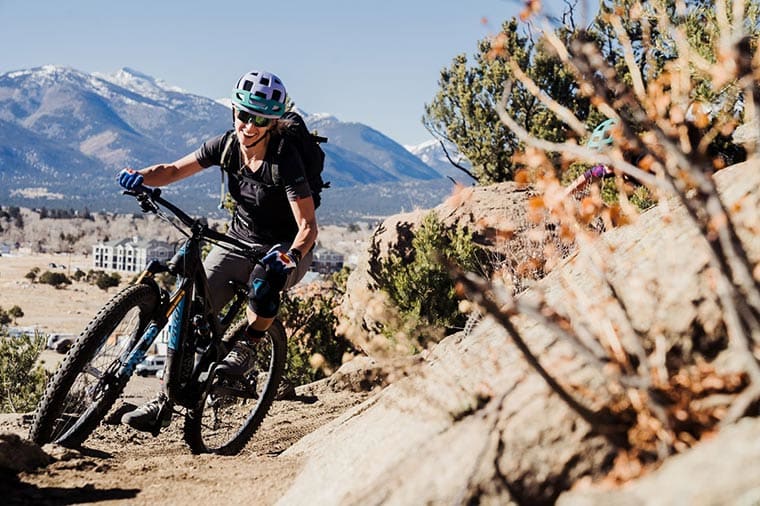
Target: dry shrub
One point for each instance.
(663, 397)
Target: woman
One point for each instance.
(280, 216)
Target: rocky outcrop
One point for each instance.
(479, 210)
(476, 424)
(17, 454)
(723, 470)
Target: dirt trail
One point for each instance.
(121, 466)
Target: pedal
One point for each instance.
(239, 388)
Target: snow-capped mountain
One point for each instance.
(433, 155)
(140, 83)
(66, 133)
(381, 158)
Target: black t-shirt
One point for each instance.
(263, 212)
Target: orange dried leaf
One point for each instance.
(505, 234)
(536, 207)
(522, 177)
(498, 47)
(531, 7)
(536, 203)
(566, 233)
(646, 163)
(529, 266)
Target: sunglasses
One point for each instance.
(258, 121)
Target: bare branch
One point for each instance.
(455, 164)
(578, 152)
(478, 290)
(563, 113)
(625, 41)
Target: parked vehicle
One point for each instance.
(151, 365)
(20, 331)
(60, 342)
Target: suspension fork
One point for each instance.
(137, 353)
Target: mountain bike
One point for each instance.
(220, 414)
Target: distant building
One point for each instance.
(5, 248)
(326, 261)
(129, 255)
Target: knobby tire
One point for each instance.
(50, 423)
(199, 436)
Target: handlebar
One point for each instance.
(149, 200)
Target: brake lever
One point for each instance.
(144, 199)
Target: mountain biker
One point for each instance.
(280, 216)
(600, 139)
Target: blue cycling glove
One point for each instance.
(130, 179)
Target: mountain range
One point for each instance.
(64, 135)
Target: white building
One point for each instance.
(129, 255)
(326, 261)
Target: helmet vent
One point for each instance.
(260, 92)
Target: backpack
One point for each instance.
(308, 146)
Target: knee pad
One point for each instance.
(262, 299)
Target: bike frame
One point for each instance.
(189, 299)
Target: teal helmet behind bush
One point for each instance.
(260, 93)
(601, 137)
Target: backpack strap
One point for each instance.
(228, 151)
(224, 165)
(276, 165)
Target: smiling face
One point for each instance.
(250, 129)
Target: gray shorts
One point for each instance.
(223, 266)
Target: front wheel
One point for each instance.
(226, 417)
(85, 385)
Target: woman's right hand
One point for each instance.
(130, 179)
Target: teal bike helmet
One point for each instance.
(602, 135)
(260, 93)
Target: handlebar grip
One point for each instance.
(143, 190)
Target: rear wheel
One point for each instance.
(227, 416)
(85, 385)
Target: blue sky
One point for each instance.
(374, 62)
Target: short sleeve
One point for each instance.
(210, 152)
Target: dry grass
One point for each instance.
(49, 309)
(70, 309)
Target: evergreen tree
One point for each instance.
(464, 109)
(464, 113)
